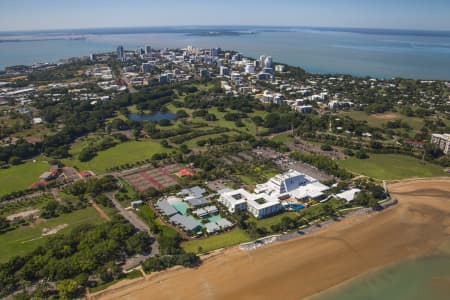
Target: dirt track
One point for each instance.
(302, 267)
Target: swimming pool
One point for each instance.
(214, 219)
(294, 207)
(178, 205)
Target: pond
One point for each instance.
(156, 117)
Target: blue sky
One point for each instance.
(55, 14)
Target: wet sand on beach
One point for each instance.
(302, 267)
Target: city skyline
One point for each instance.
(50, 14)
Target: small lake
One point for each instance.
(156, 117)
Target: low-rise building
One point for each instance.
(443, 141)
(348, 195)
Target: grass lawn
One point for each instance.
(283, 138)
(24, 205)
(193, 142)
(374, 121)
(267, 222)
(24, 239)
(249, 127)
(128, 152)
(391, 167)
(22, 176)
(234, 237)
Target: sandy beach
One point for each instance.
(302, 267)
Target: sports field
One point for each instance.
(158, 178)
(392, 167)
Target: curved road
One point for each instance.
(139, 225)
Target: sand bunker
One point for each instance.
(302, 267)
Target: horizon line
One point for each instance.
(224, 26)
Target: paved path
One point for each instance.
(139, 225)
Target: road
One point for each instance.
(139, 225)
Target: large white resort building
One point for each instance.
(266, 200)
(292, 184)
(259, 205)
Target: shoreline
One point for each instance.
(329, 258)
(381, 267)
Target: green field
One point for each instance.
(128, 152)
(9, 208)
(392, 167)
(193, 142)
(267, 222)
(24, 239)
(21, 177)
(374, 121)
(283, 138)
(221, 122)
(231, 238)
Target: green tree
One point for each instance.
(67, 288)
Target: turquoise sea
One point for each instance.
(377, 53)
(426, 278)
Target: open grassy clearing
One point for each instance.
(234, 237)
(20, 177)
(10, 208)
(283, 138)
(392, 167)
(24, 239)
(249, 127)
(128, 152)
(193, 143)
(378, 120)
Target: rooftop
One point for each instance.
(166, 208)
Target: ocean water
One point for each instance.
(377, 53)
(426, 278)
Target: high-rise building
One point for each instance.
(237, 57)
(145, 68)
(224, 71)
(148, 50)
(93, 57)
(262, 59)
(214, 52)
(250, 68)
(268, 62)
(140, 51)
(280, 68)
(120, 53)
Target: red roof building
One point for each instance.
(85, 174)
(185, 172)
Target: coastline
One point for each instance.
(360, 53)
(328, 258)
